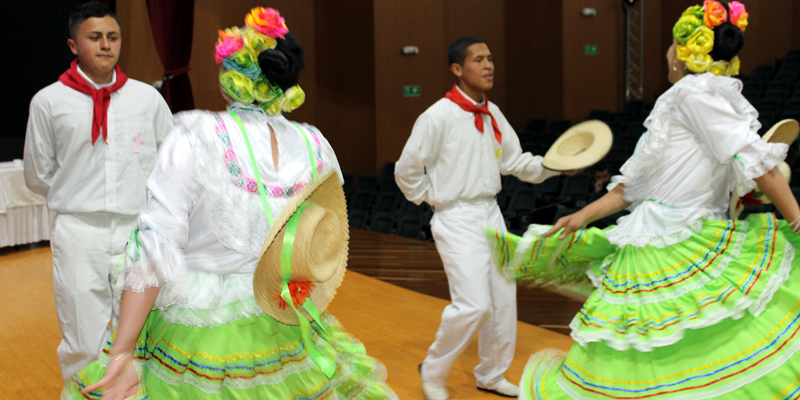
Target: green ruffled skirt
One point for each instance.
(714, 316)
(250, 358)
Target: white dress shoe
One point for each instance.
(431, 391)
(504, 389)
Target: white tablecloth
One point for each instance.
(24, 216)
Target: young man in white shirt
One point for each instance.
(90, 145)
(453, 160)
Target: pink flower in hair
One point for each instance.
(267, 21)
(738, 15)
(230, 41)
(715, 14)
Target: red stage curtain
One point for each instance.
(171, 22)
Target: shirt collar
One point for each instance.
(481, 104)
(95, 85)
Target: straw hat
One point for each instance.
(579, 147)
(785, 131)
(318, 253)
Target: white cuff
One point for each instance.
(152, 260)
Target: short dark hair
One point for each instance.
(457, 52)
(92, 9)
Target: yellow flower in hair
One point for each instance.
(683, 52)
(695, 11)
(256, 42)
(292, 99)
(733, 68)
(237, 86)
(701, 41)
(698, 62)
(264, 91)
(685, 26)
(719, 68)
(272, 107)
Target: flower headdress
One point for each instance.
(695, 36)
(238, 49)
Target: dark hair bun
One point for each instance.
(282, 65)
(728, 40)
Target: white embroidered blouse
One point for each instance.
(701, 142)
(205, 223)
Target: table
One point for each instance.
(24, 216)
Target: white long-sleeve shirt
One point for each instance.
(75, 176)
(448, 159)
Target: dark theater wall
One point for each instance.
(431, 26)
(534, 61)
(346, 82)
(592, 81)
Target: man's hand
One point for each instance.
(598, 186)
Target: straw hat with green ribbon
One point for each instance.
(303, 260)
(307, 246)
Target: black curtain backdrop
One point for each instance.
(36, 33)
(171, 22)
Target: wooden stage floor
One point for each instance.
(396, 324)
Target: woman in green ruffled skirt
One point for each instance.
(226, 282)
(684, 302)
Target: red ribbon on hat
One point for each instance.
(101, 98)
(455, 96)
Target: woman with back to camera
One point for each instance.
(688, 304)
(231, 196)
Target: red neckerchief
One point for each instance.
(455, 96)
(101, 98)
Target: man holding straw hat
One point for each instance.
(453, 160)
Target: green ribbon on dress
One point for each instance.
(314, 176)
(327, 366)
(255, 167)
(134, 245)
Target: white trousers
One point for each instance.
(88, 256)
(482, 299)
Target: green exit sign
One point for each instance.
(412, 91)
(590, 49)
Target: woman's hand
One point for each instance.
(570, 223)
(120, 381)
